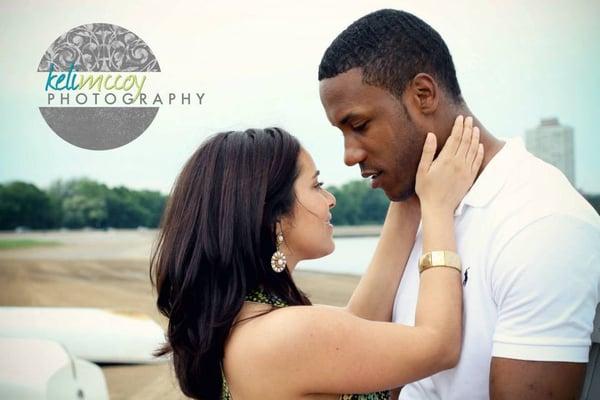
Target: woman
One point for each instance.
(246, 208)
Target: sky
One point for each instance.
(256, 61)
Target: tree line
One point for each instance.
(78, 203)
(81, 203)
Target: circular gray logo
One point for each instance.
(95, 77)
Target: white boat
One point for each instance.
(93, 334)
(37, 369)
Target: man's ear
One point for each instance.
(425, 93)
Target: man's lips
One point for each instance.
(370, 174)
(374, 175)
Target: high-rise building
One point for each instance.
(553, 143)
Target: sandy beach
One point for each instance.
(109, 269)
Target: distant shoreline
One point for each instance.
(344, 231)
(357, 231)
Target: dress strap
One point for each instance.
(261, 296)
(225, 393)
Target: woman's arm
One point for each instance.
(328, 350)
(373, 298)
(457, 164)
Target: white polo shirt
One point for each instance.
(530, 248)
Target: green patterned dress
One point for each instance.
(259, 296)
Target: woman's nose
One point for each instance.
(332, 200)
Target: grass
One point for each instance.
(6, 244)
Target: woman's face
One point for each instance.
(308, 233)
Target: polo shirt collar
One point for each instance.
(494, 176)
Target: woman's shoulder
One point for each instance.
(260, 346)
(261, 325)
(276, 335)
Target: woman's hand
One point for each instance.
(442, 183)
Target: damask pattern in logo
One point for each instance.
(99, 48)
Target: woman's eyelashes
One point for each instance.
(319, 185)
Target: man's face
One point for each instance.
(378, 133)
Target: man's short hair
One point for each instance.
(391, 47)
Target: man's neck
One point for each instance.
(491, 145)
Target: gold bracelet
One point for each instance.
(443, 258)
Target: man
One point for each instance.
(529, 243)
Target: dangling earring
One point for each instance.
(278, 262)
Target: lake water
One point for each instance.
(351, 256)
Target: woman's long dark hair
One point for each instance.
(216, 239)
